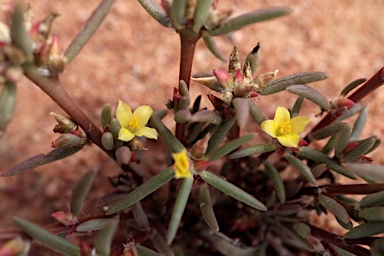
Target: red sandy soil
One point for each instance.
(133, 58)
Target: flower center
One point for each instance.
(285, 128)
(134, 123)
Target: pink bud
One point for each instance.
(67, 140)
(54, 49)
(65, 218)
(350, 146)
(14, 247)
(198, 149)
(224, 78)
(239, 76)
(85, 250)
(201, 166)
(343, 102)
(123, 155)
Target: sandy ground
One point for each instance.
(135, 59)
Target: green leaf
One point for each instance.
(343, 139)
(155, 10)
(310, 94)
(365, 230)
(141, 192)
(282, 83)
(249, 18)
(106, 115)
(47, 238)
(241, 106)
(341, 252)
(220, 133)
(207, 116)
(7, 104)
(179, 208)
(352, 85)
(327, 131)
(296, 108)
(369, 173)
(324, 159)
(256, 113)
(303, 168)
(42, 159)
(160, 244)
(140, 216)
(80, 191)
(274, 176)
(337, 209)
(213, 48)
(351, 112)
(177, 12)
(360, 150)
(231, 190)
(19, 34)
(93, 224)
(201, 14)
(228, 147)
(257, 149)
(144, 251)
(359, 123)
(372, 213)
(206, 207)
(374, 199)
(105, 237)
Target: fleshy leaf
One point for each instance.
(242, 107)
(160, 244)
(42, 159)
(206, 207)
(256, 113)
(201, 14)
(327, 131)
(352, 85)
(140, 216)
(80, 191)
(105, 237)
(360, 150)
(155, 10)
(343, 139)
(303, 168)
(231, 190)
(47, 238)
(106, 115)
(282, 83)
(93, 224)
(141, 192)
(19, 34)
(296, 108)
(337, 209)
(144, 251)
(274, 176)
(228, 147)
(177, 12)
(209, 116)
(7, 104)
(369, 173)
(310, 94)
(374, 199)
(372, 213)
(258, 149)
(359, 123)
(220, 133)
(249, 18)
(213, 48)
(365, 230)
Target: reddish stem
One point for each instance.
(188, 40)
(56, 91)
(337, 189)
(372, 84)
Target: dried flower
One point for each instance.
(285, 129)
(134, 124)
(181, 166)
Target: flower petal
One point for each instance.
(281, 116)
(125, 134)
(123, 113)
(289, 140)
(150, 133)
(181, 166)
(299, 123)
(269, 127)
(143, 113)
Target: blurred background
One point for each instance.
(133, 58)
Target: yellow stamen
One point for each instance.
(285, 127)
(134, 124)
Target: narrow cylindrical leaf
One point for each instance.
(47, 238)
(342, 139)
(156, 11)
(206, 207)
(258, 149)
(360, 150)
(359, 123)
(351, 112)
(365, 230)
(93, 224)
(282, 83)
(105, 237)
(182, 116)
(296, 108)
(274, 176)
(352, 85)
(220, 133)
(140, 216)
(369, 173)
(256, 113)
(7, 104)
(375, 146)
(231, 190)
(174, 144)
(115, 127)
(19, 34)
(302, 229)
(201, 14)
(241, 106)
(310, 94)
(184, 91)
(324, 159)
(303, 168)
(160, 244)
(108, 141)
(141, 192)
(372, 213)
(210, 82)
(253, 59)
(177, 12)
(374, 199)
(337, 209)
(296, 240)
(249, 18)
(178, 208)
(209, 116)
(328, 148)
(80, 191)
(228, 147)
(144, 251)
(106, 115)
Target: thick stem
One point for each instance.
(188, 40)
(337, 189)
(56, 91)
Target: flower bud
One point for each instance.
(224, 78)
(227, 99)
(234, 62)
(210, 82)
(182, 116)
(66, 218)
(67, 140)
(199, 148)
(107, 141)
(85, 250)
(123, 155)
(342, 102)
(136, 145)
(14, 247)
(253, 58)
(14, 54)
(264, 79)
(243, 89)
(65, 123)
(201, 166)
(57, 64)
(239, 76)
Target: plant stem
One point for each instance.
(337, 189)
(188, 40)
(56, 91)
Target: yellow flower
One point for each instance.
(181, 166)
(134, 124)
(285, 129)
